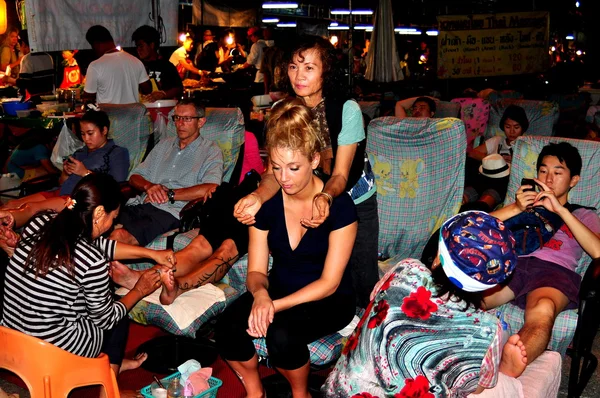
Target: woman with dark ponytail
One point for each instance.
(57, 284)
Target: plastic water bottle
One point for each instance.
(187, 391)
(175, 389)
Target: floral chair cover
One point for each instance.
(585, 193)
(474, 112)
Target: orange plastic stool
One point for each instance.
(49, 371)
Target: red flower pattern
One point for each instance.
(418, 304)
(352, 342)
(417, 388)
(364, 395)
(386, 285)
(381, 310)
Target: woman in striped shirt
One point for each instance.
(57, 284)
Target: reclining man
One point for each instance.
(177, 170)
(545, 282)
(422, 107)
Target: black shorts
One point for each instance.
(146, 221)
(532, 273)
(220, 224)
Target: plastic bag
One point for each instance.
(66, 144)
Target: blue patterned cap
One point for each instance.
(476, 251)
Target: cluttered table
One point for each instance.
(225, 89)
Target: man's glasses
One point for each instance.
(186, 119)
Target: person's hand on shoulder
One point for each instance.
(320, 212)
(246, 208)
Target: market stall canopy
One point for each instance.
(383, 64)
(56, 25)
(219, 13)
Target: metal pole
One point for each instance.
(350, 45)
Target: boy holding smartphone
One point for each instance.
(545, 282)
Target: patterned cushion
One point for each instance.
(322, 351)
(474, 112)
(130, 127)
(586, 192)
(225, 126)
(542, 116)
(419, 172)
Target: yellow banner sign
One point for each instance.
(492, 44)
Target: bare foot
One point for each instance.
(123, 275)
(136, 362)
(514, 357)
(170, 290)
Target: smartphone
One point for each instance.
(67, 159)
(529, 181)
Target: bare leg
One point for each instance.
(542, 308)
(24, 213)
(514, 357)
(16, 203)
(123, 275)
(298, 379)
(123, 236)
(497, 296)
(196, 251)
(194, 275)
(248, 373)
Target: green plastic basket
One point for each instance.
(213, 382)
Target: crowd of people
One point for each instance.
(314, 211)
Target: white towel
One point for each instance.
(347, 331)
(188, 306)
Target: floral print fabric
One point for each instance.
(411, 343)
(474, 112)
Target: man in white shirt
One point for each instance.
(256, 55)
(116, 77)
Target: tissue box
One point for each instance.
(213, 382)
